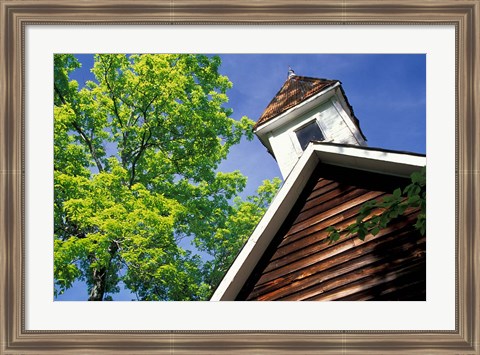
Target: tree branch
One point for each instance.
(143, 147)
(79, 130)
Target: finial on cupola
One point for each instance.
(290, 72)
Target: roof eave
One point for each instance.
(303, 106)
(262, 129)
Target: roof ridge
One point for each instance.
(311, 78)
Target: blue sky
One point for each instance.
(387, 93)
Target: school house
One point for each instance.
(329, 172)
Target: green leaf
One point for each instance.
(361, 234)
(397, 193)
(393, 206)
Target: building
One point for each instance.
(311, 130)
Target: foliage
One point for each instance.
(391, 207)
(135, 173)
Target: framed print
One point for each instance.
(445, 33)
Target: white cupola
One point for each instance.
(304, 110)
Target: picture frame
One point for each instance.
(17, 14)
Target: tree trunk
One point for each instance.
(99, 276)
(99, 282)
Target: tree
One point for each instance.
(376, 215)
(136, 154)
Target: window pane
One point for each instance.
(310, 132)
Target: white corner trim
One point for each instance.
(347, 118)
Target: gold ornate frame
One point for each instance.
(16, 14)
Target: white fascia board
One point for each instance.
(303, 107)
(369, 159)
(267, 228)
(362, 158)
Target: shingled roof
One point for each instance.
(295, 90)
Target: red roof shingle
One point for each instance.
(295, 90)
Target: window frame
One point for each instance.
(298, 144)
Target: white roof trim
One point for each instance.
(387, 162)
(362, 158)
(266, 229)
(266, 126)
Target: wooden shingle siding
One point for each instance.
(301, 265)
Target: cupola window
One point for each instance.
(309, 132)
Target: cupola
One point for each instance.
(306, 109)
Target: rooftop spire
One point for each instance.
(290, 72)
